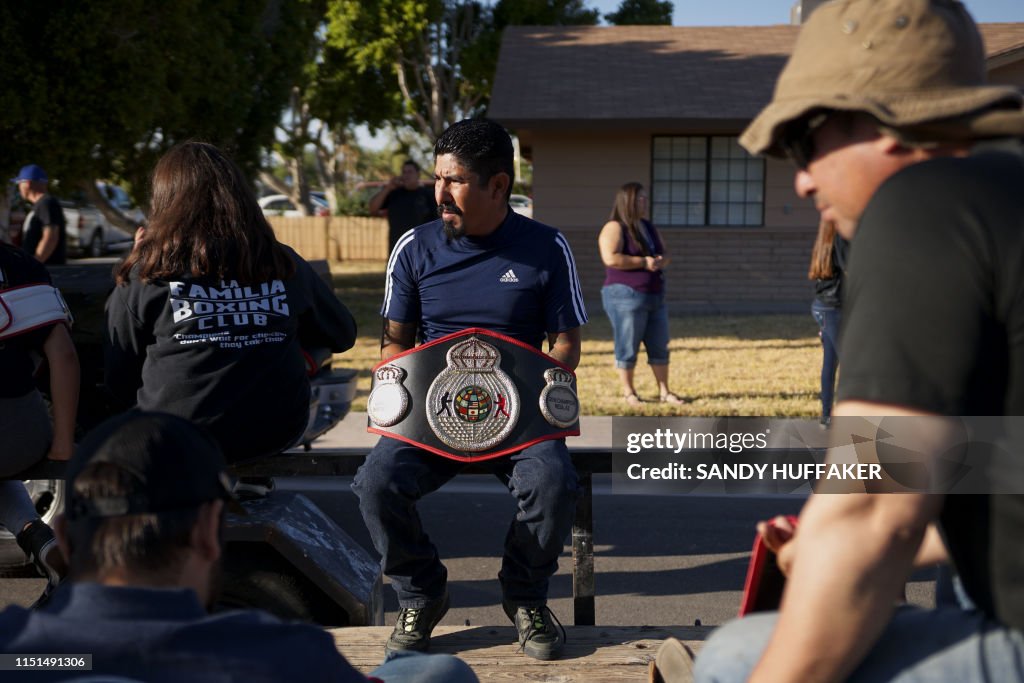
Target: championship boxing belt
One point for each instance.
(473, 395)
(23, 309)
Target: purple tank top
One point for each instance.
(642, 280)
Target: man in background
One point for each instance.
(45, 229)
(408, 202)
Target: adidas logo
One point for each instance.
(509, 277)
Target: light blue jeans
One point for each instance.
(636, 317)
(828, 319)
(918, 646)
(413, 667)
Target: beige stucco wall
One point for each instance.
(1009, 74)
(576, 175)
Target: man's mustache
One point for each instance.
(449, 208)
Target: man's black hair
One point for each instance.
(410, 162)
(482, 146)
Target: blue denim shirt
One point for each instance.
(158, 635)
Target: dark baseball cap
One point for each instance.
(30, 172)
(174, 464)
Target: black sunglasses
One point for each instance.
(798, 140)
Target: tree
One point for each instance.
(332, 95)
(102, 89)
(442, 52)
(641, 12)
(424, 45)
(543, 13)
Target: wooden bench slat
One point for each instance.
(596, 654)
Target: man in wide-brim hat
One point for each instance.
(885, 110)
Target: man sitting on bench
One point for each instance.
(442, 278)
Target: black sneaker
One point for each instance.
(412, 632)
(537, 635)
(40, 546)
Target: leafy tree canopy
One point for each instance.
(543, 13)
(642, 13)
(443, 53)
(102, 88)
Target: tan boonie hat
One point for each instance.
(905, 62)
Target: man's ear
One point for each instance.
(893, 148)
(500, 183)
(206, 533)
(890, 145)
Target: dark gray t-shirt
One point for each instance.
(934, 320)
(47, 211)
(408, 209)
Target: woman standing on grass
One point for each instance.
(210, 310)
(828, 261)
(634, 291)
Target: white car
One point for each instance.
(281, 205)
(522, 204)
(89, 233)
(117, 196)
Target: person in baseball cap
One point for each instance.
(45, 231)
(31, 172)
(143, 532)
(896, 135)
(167, 465)
(155, 473)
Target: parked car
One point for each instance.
(121, 201)
(281, 205)
(522, 204)
(89, 233)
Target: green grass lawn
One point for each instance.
(722, 365)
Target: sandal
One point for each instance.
(671, 398)
(632, 399)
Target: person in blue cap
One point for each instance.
(45, 228)
(143, 531)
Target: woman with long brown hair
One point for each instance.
(633, 294)
(210, 309)
(828, 260)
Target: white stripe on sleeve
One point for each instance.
(402, 242)
(574, 281)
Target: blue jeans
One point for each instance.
(396, 475)
(412, 667)
(828, 319)
(918, 646)
(635, 317)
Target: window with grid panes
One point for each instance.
(705, 180)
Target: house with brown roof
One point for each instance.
(595, 107)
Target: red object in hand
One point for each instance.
(762, 591)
